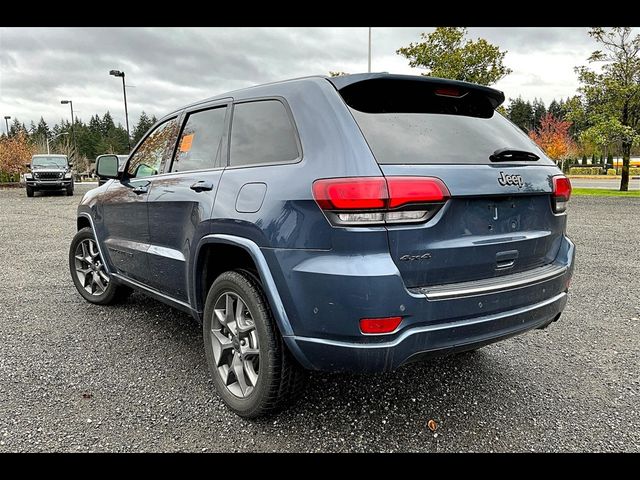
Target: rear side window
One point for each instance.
(201, 141)
(262, 132)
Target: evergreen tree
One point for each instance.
(521, 113)
(94, 125)
(118, 140)
(100, 135)
(16, 127)
(106, 124)
(555, 109)
(55, 130)
(42, 129)
(144, 124)
(539, 111)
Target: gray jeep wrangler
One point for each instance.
(49, 172)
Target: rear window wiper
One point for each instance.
(509, 155)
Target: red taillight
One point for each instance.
(379, 325)
(448, 92)
(363, 193)
(405, 190)
(561, 187)
(379, 200)
(561, 193)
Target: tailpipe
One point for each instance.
(545, 325)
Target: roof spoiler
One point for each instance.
(440, 86)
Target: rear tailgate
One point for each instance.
(499, 218)
(484, 230)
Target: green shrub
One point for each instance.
(632, 171)
(4, 177)
(585, 170)
(611, 171)
(9, 177)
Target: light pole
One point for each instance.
(369, 50)
(73, 132)
(6, 122)
(47, 139)
(118, 73)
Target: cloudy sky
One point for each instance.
(169, 67)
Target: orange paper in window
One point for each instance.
(185, 144)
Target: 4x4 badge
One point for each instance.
(505, 179)
(411, 258)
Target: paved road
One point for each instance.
(78, 377)
(608, 183)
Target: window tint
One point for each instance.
(149, 157)
(201, 141)
(424, 138)
(262, 133)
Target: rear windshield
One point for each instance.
(430, 138)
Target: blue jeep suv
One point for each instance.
(351, 223)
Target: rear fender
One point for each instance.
(268, 284)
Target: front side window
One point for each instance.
(262, 132)
(149, 157)
(201, 141)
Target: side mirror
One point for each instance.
(28, 165)
(107, 166)
(145, 171)
(70, 164)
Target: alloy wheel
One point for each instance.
(235, 346)
(90, 267)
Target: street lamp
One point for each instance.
(73, 132)
(118, 73)
(53, 138)
(369, 56)
(6, 121)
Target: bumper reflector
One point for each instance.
(379, 325)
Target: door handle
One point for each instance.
(201, 186)
(140, 189)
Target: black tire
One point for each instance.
(70, 191)
(112, 294)
(280, 377)
(30, 191)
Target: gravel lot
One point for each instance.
(78, 377)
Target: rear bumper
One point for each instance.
(436, 339)
(331, 295)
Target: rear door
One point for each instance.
(499, 219)
(181, 200)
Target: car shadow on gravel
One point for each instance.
(50, 193)
(441, 388)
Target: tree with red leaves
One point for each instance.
(553, 137)
(15, 152)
